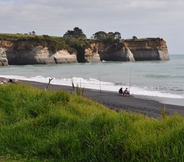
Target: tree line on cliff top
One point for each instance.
(72, 40)
(77, 39)
(100, 35)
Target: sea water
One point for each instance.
(158, 80)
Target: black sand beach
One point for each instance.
(117, 102)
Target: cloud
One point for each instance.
(142, 18)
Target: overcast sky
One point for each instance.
(141, 18)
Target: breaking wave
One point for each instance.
(92, 83)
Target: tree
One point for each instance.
(117, 35)
(134, 37)
(75, 33)
(110, 37)
(100, 35)
(33, 33)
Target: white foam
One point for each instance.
(96, 84)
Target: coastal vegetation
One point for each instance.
(74, 46)
(38, 125)
(53, 43)
(74, 41)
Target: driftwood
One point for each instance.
(48, 83)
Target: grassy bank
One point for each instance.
(37, 125)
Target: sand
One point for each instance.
(118, 102)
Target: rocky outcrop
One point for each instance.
(135, 50)
(27, 52)
(91, 54)
(30, 52)
(108, 53)
(23, 52)
(148, 49)
(63, 56)
(40, 55)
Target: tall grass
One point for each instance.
(38, 125)
(77, 90)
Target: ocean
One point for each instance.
(158, 80)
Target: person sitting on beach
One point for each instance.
(127, 92)
(121, 91)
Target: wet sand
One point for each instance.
(117, 102)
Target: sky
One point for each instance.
(140, 18)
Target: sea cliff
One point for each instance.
(148, 49)
(135, 50)
(40, 51)
(28, 52)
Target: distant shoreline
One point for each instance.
(116, 102)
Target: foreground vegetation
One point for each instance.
(37, 125)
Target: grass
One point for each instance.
(37, 125)
(52, 42)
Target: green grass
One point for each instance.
(37, 126)
(14, 37)
(52, 42)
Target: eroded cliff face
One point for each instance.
(91, 54)
(135, 50)
(29, 52)
(109, 53)
(3, 57)
(26, 52)
(148, 49)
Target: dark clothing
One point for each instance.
(120, 91)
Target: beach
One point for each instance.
(160, 81)
(117, 102)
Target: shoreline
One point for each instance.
(163, 100)
(112, 100)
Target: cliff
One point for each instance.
(148, 49)
(91, 54)
(109, 52)
(3, 58)
(46, 51)
(135, 50)
(29, 52)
